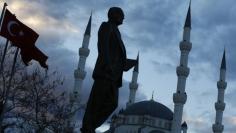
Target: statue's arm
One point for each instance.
(129, 63)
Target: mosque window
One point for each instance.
(160, 123)
(140, 120)
(133, 120)
(166, 125)
(127, 120)
(153, 122)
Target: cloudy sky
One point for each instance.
(154, 28)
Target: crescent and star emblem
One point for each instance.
(9, 27)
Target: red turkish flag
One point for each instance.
(27, 54)
(22, 37)
(18, 33)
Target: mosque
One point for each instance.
(150, 116)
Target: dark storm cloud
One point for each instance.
(215, 13)
(158, 25)
(65, 9)
(59, 9)
(151, 24)
(213, 28)
(55, 8)
(163, 67)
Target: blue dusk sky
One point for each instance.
(154, 28)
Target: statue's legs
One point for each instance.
(103, 100)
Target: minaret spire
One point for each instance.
(88, 28)
(223, 62)
(80, 73)
(184, 127)
(220, 105)
(188, 18)
(152, 96)
(180, 97)
(136, 67)
(133, 86)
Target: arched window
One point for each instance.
(160, 123)
(133, 120)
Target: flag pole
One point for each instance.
(13, 67)
(3, 10)
(4, 55)
(1, 102)
(8, 88)
(6, 45)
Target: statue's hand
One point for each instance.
(129, 64)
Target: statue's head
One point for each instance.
(116, 15)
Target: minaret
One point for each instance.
(80, 73)
(220, 105)
(182, 71)
(133, 86)
(184, 127)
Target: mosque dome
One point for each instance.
(157, 131)
(151, 108)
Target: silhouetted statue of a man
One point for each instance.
(108, 71)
